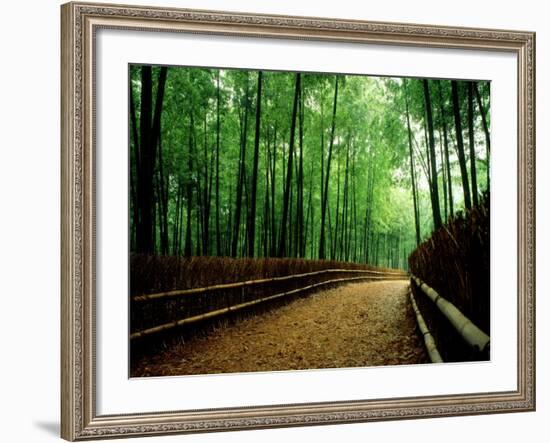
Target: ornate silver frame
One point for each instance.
(79, 22)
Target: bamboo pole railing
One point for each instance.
(474, 336)
(243, 284)
(429, 342)
(238, 307)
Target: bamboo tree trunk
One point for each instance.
(411, 163)
(218, 233)
(240, 177)
(354, 206)
(254, 184)
(175, 232)
(335, 235)
(144, 231)
(434, 193)
(134, 172)
(208, 167)
(370, 204)
(286, 198)
(427, 147)
(149, 135)
(460, 145)
(327, 175)
(163, 203)
(446, 145)
(322, 183)
(471, 143)
(290, 225)
(267, 211)
(482, 111)
(300, 198)
(273, 188)
(309, 213)
(345, 226)
(189, 186)
(443, 177)
(229, 222)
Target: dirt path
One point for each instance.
(361, 324)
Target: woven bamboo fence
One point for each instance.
(163, 311)
(455, 262)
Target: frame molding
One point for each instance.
(79, 21)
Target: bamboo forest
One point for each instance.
(263, 193)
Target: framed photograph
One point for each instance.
(282, 221)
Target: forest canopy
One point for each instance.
(244, 163)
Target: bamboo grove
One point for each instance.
(239, 163)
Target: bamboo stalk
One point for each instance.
(474, 336)
(238, 307)
(193, 291)
(429, 341)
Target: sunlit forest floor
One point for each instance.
(361, 324)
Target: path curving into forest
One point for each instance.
(359, 324)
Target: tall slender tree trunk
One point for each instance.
(286, 196)
(443, 177)
(309, 215)
(427, 146)
(345, 225)
(370, 203)
(267, 210)
(273, 188)
(460, 145)
(135, 171)
(334, 245)
(482, 111)
(300, 185)
(354, 209)
(322, 183)
(327, 174)
(471, 143)
(218, 233)
(240, 177)
(254, 184)
(434, 188)
(189, 187)
(243, 251)
(291, 237)
(229, 222)
(446, 145)
(411, 162)
(163, 202)
(149, 135)
(144, 231)
(207, 194)
(175, 224)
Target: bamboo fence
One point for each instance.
(248, 283)
(429, 341)
(244, 305)
(474, 336)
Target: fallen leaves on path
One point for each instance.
(361, 324)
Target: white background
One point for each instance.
(29, 223)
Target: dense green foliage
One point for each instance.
(252, 164)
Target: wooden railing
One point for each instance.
(248, 283)
(429, 340)
(143, 302)
(472, 335)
